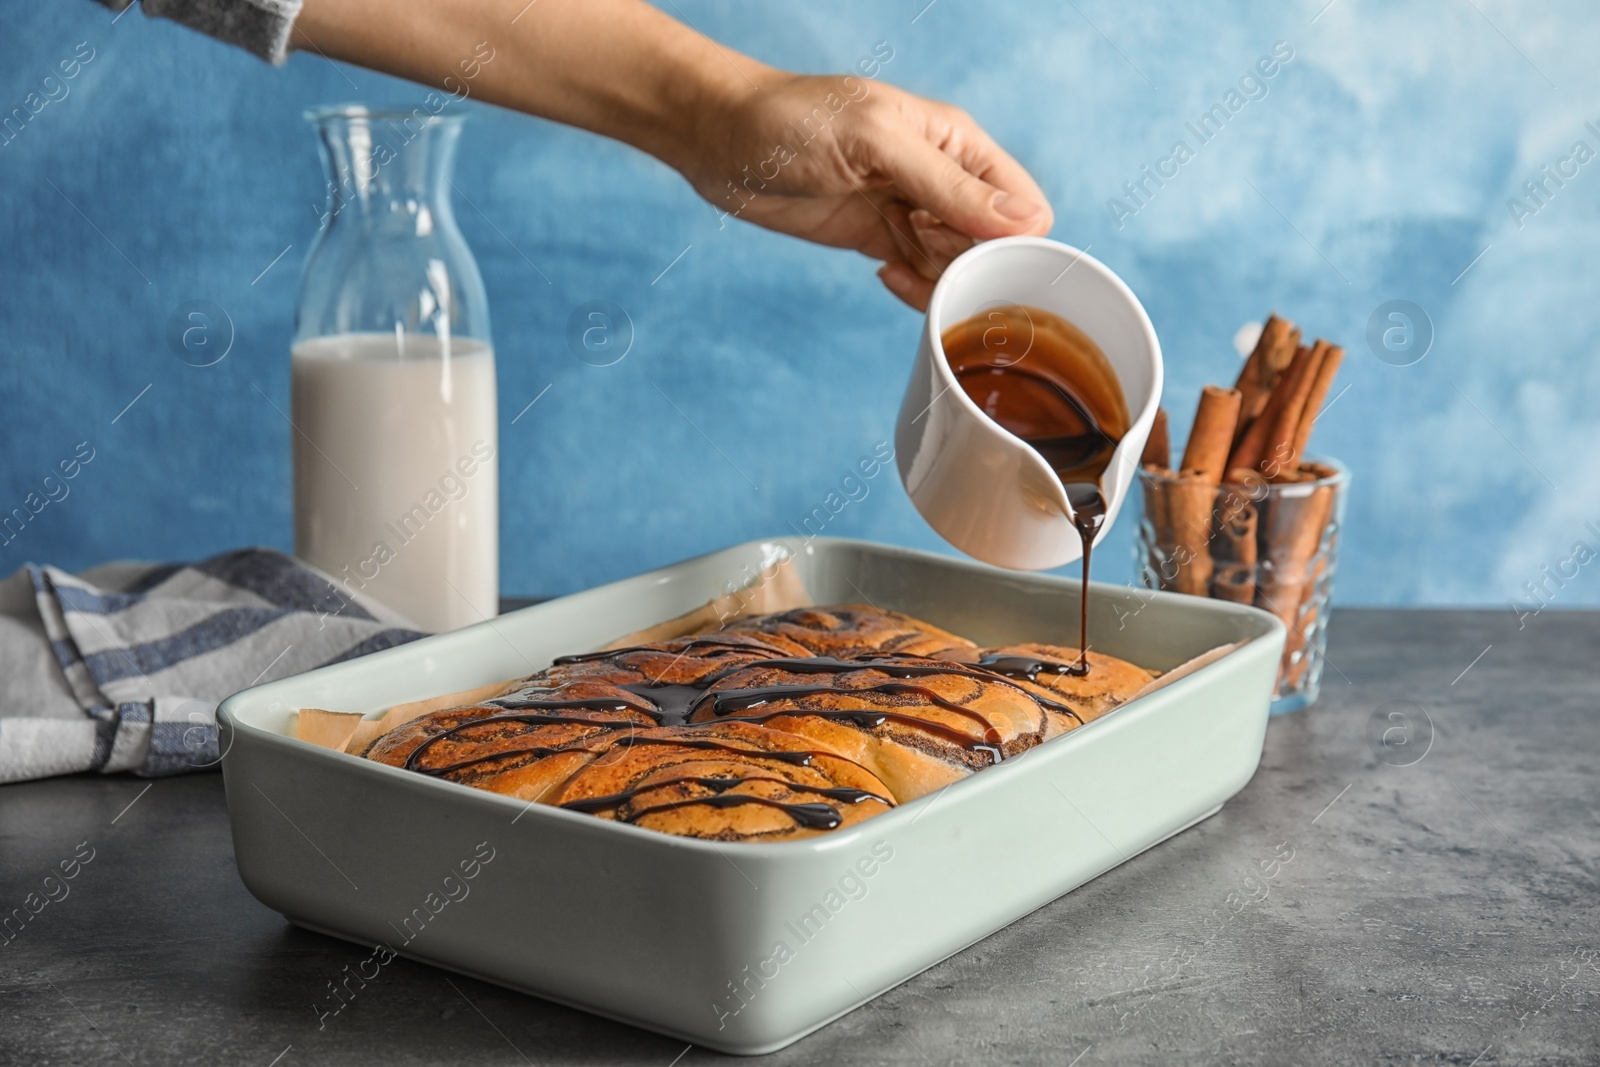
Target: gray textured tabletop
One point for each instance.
(1430, 829)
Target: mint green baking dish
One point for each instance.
(738, 947)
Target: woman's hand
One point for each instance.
(855, 163)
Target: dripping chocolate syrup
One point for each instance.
(1047, 382)
(1088, 515)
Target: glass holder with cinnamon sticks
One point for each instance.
(1246, 516)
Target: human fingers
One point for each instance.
(978, 153)
(942, 164)
(941, 243)
(904, 282)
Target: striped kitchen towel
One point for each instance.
(121, 668)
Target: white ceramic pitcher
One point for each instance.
(983, 489)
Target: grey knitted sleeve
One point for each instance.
(259, 26)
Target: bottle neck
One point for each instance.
(389, 258)
(389, 169)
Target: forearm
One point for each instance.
(615, 67)
(846, 161)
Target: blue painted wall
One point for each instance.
(1378, 166)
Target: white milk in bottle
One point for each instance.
(396, 479)
(396, 472)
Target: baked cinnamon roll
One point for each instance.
(852, 630)
(522, 745)
(782, 726)
(662, 678)
(1047, 671)
(917, 723)
(726, 781)
(677, 661)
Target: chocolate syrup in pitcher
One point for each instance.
(1044, 380)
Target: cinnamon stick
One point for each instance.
(1211, 531)
(1278, 359)
(1190, 502)
(1295, 521)
(1243, 478)
(1317, 472)
(1234, 551)
(1236, 536)
(1298, 654)
(1191, 497)
(1211, 438)
(1329, 366)
(1158, 446)
(1251, 449)
(1277, 456)
(1273, 350)
(1232, 582)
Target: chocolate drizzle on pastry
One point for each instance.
(811, 815)
(819, 714)
(1027, 668)
(1004, 667)
(721, 785)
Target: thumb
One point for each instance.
(938, 183)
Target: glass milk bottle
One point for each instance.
(396, 473)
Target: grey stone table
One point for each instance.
(1413, 876)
